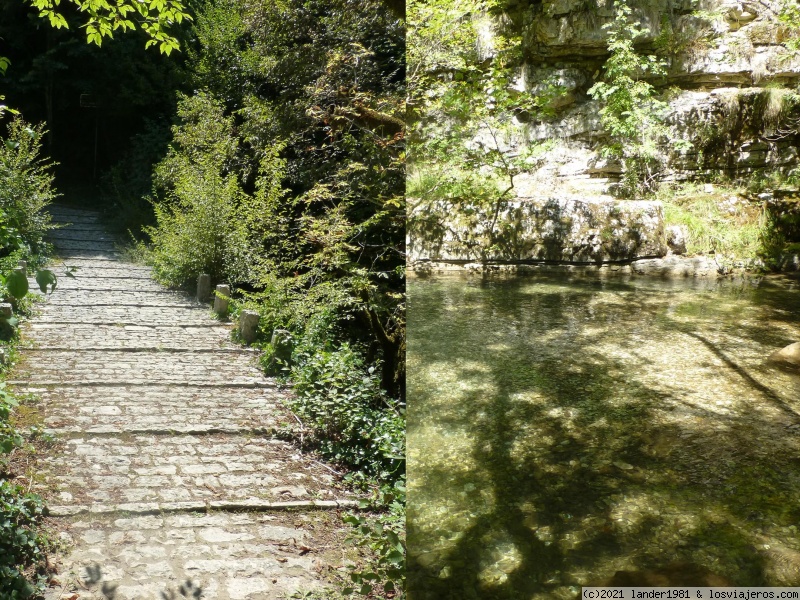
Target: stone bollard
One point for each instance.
(6, 327)
(281, 343)
(221, 299)
(248, 325)
(23, 267)
(203, 287)
(6, 311)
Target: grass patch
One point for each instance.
(720, 222)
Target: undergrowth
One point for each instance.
(25, 190)
(352, 422)
(729, 222)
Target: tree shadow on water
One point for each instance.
(578, 475)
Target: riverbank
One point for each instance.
(672, 266)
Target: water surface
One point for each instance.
(560, 430)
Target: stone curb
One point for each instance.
(108, 430)
(139, 349)
(155, 508)
(22, 383)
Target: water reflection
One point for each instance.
(561, 430)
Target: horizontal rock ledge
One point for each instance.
(567, 230)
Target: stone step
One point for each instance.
(124, 315)
(72, 219)
(84, 297)
(104, 266)
(71, 234)
(135, 468)
(158, 409)
(228, 556)
(102, 272)
(129, 509)
(87, 227)
(87, 254)
(150, 367)
(120, 282)
(83, 245)
(209, 336)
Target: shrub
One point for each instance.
(25, 190)
(341, 401)
(630, 113)
(22, 543)
(206, 223)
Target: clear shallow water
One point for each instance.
(561, 430)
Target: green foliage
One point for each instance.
(720, 223)
(630, 113)
(789, 17)
(353, 422)
(463, 106)
(17, 284)
(22, 541)
(207, 223)
(102, 19)
(10, 438)
(286, 177)
(25, 190)
(385, 538)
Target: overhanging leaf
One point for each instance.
(45, 278)
(17, 284)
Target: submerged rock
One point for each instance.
(681, 574)
(790, 355)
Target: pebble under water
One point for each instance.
(561, 429)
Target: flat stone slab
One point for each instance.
(124, 315)
(123, 469)
(159, 409)
(207, 336)
(185, 367)
(228, 556)
(66, 244)
(82, 282)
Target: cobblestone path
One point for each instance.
(167, 469)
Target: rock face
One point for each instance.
(568, 230)
(731, 111)
(730, 78)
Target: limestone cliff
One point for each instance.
(729, 86)
(731, 111)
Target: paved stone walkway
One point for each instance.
(168, 469)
